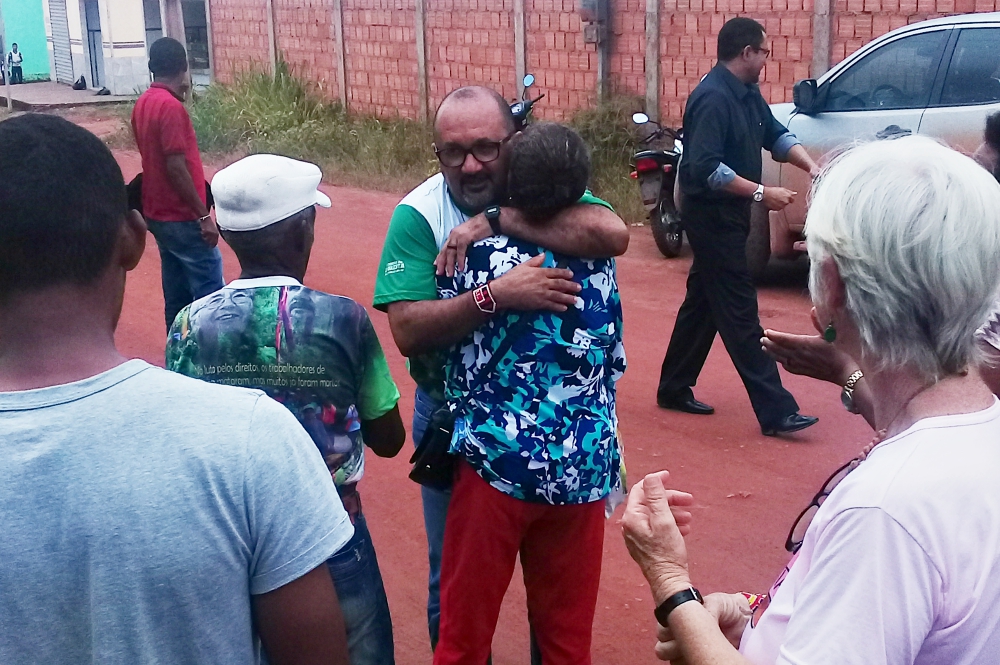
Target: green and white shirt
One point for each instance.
(418, 230)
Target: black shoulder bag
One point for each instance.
(433, 465)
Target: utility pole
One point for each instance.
(3, 55)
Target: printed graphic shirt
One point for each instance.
(418, 230)
(315, 353)
(542, 426)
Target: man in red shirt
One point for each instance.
(173, 183)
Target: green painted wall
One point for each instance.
(25, 24)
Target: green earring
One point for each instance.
(830, 334)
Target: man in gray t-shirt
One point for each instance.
(145, 517)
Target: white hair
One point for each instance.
(914, 229)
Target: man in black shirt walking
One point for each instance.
(726, 124)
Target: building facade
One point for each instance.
(107, 41)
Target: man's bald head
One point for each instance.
(477, 94)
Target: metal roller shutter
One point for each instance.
(60, 41)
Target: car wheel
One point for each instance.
(758, 241)
(666, 225)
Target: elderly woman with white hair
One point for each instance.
(897, 557)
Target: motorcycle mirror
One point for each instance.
(529, 80)
(640, 118)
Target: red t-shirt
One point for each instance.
(162, 127)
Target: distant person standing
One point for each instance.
(14, 61)
(726, 124)
(173, 183)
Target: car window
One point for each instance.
(973, 73)
(898, 75)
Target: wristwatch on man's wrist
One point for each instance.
(492, 215)
(847, 393)
(674, 601)
(758, 194)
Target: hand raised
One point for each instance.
(654, 537)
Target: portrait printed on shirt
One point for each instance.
(302, 347)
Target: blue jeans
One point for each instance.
(189, 268)
(435, 512)
(358, 581)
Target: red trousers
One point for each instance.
(561, 548)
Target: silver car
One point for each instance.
(940, 78)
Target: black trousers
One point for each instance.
(15, 75)
(721, 298)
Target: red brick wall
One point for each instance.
(469, 42)
(305, 37)
(628, 47)
(239, 36)
(688, 45)
(472, 42)
(381, 57)
(565, 67)
(857, 22)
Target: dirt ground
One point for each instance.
(748, 488)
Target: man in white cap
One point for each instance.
(316, 353)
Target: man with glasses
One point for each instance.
(449, 211)
(726, 124)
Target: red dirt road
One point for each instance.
(748, 488)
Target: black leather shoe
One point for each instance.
(789, 424)
(688, 405)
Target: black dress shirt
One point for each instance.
(727, 122)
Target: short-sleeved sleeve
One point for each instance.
(589, 199)
(406, 270)
(175, 129)
(378, 392)
(295, 515)
(868, 598)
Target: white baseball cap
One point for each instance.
(259, 190)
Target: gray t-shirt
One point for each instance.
(140, 509)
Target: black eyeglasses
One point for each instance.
(484, 151)
(798, 531)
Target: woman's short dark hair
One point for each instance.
(62, 203)
(737, 34)
(549, 169)
(167, 57)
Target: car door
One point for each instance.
(886, 86)
(970, 90)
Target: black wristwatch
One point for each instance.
(492, 215)
(672, 603)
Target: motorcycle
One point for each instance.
(522, 110)
(656, 171)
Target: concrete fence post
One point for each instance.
(520, 49)
(653, 59)
(419, 27)
(822, 42)
(340, 51)
(272, 43)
